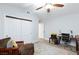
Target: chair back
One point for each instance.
(54, 36)
(65, 37)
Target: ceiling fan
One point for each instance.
(52, 5)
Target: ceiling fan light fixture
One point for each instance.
(48, 6)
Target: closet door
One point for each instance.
(1, 23)
(18, 29)
(12, 28)
(26, 31)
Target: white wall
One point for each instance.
(17, 29)
(63, 23)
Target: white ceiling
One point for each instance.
(69, 8)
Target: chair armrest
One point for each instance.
(27, 49)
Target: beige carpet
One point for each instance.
(44, 48)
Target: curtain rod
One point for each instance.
(18, 18)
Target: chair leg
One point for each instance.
(49, 40)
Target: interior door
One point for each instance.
(26, 31)
(11, 28)
(41, 30)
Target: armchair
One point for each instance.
(77, 43)
(23, 49)
(54, 39)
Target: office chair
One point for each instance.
(65, 37)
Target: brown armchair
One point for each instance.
(23, 49)
(77, 43)
(54, 39)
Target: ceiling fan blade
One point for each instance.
(58, 5)
(39, 8)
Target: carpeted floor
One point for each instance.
(44, 48)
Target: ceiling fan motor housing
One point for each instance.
(48, 10)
